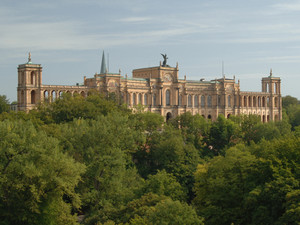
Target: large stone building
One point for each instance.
(160, 90)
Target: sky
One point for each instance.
(67, 37)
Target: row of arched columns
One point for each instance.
(259, 101)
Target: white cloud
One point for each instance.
(295, 6)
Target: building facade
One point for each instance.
(160, 90)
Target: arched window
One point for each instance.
(202, 101)
(83, 94)
(209, 117)
(189, 101)
(209, 104)
(254, 101)
(249, 102)
(32, 77)
(53, 96)
(196, 104)
(219, 100)
(268, 101)
(33, 97)
(180, 100)
(259, 101)
(168, 97)
(145, 99)
(263, 102)
(128, 99)
(276, 102)
(134, 99)
(22, 97)
(60, 94)
(245, 101)
(140, 98)
(46, 96)
(275, 88)
(229, 100)
(154, 100)
(267, 87)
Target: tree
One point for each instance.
(104, 145)
(194, 129)
(163, 183)
(171, 212)
(4, 104)
(289, 100)
(37, 180)
(254, 184)
(167, 151)
(223, 134)
(153, 209)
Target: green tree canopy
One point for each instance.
(4, 104)
(37, 181)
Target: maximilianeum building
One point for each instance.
(159, 90)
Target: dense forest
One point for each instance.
(93, 161)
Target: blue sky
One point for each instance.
(67, 38)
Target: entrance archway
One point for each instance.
(169, 116)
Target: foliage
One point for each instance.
(154, 209)
(163, 183)
(94, 157)
(67, 108)
(37, 181)
(223, 134)
(250, 185)
(4, 104)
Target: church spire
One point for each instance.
(103, 65)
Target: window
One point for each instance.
(229, 101)
(32, 78)
(189, 101)
(140, 98)
(209, 101)
(134, 99)
(154, 99)
(128, 98)
(145, 99)
(202, 101)
(219, 100)
(180, 100)
(276, 102)
(32, 97)
(196, 101)
(46, 96)
(53, 96)
(168, 97)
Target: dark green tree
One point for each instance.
(37, 180)
(4, 104)
(224, 133)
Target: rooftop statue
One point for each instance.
(165, 60)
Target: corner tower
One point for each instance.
(271, 86)
(29, 85)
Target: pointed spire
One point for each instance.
(103, 65)
(271, 73)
